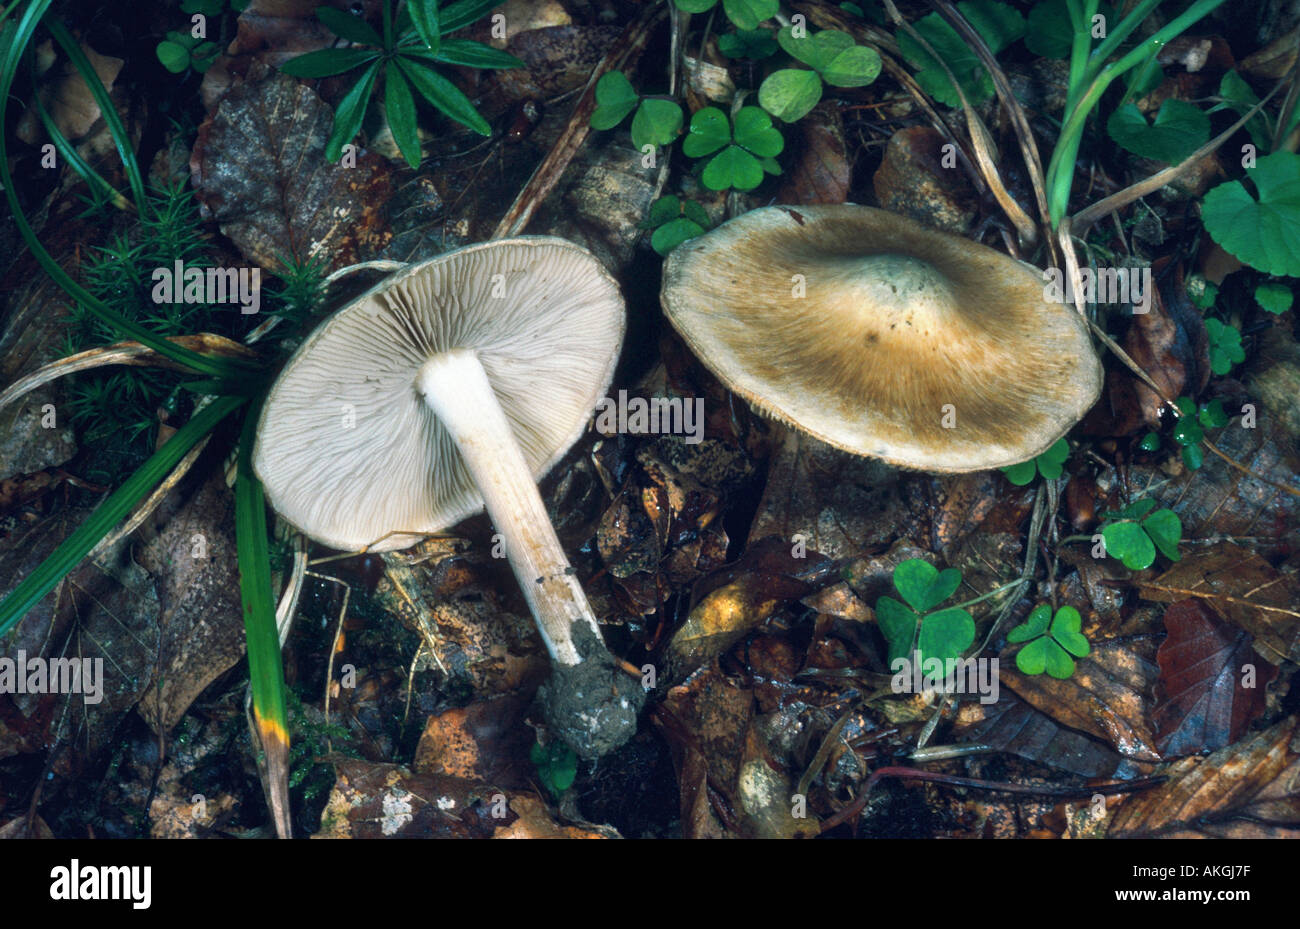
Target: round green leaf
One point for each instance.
(1058, 664)
(946, 634)
(673, 233)
(1263, 230)
(1032, 659)
(817, 50)
(1212, 415)
(1150, 442)
(1187, 431)
(1050, 32)
(1127, 542)
(898, 625)
(1022, 473)
(914, 579)
(747, 14)
(1225, 345)
(732, 167)
(1065, 630)
(790, 94)
(1179, 130)
(853, 67)
(1166, 531)
(1193, 457)
(695, 213)
(662, 210)
(710, 130)
(615, 98)
(1035, 624)
(174, 58)
(1275, 298)
(657, 122)
(755, 133)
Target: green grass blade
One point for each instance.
(112, 511)
(78, 164)
(14, 38)
(265, 670)
(115, 128)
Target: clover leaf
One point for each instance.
(1225, 346)
(1049, 464)
(940, 634)
(1179, 130)
(1050, 649)
(1134, 534)
(737, 162)
(615, 98)
(790, 93)
(1262, 230)
(997, 23)
(674, 221)
(745, 14)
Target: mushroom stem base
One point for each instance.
(457, 390)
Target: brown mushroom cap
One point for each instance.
(348, 450)
(897, 321)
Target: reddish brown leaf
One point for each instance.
(1201, 701)
(1242, 588)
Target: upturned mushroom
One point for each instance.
(882, 337)
(453, 384)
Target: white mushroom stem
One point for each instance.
(457, 390)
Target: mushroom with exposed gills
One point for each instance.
(882, 337)
(453, 384)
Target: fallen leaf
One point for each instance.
(1011, 725)
(1106, 697)
(260, 171)
(1250, 789)
(821, 172)
(1201, 701)
(1241, 587)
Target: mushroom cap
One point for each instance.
(347, 449)
(897, 321)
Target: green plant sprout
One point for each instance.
(1095, 40)
(1224, 344)
(1189, 430)
(410, 45)
(658, 121)
(1049, 464)
(746, 147)
(916, 625)
(789, 94)
(1134, 533)
(557, 765)
(181, 50)
(674, 221)
(1050, 649)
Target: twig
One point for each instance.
(552, 168)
